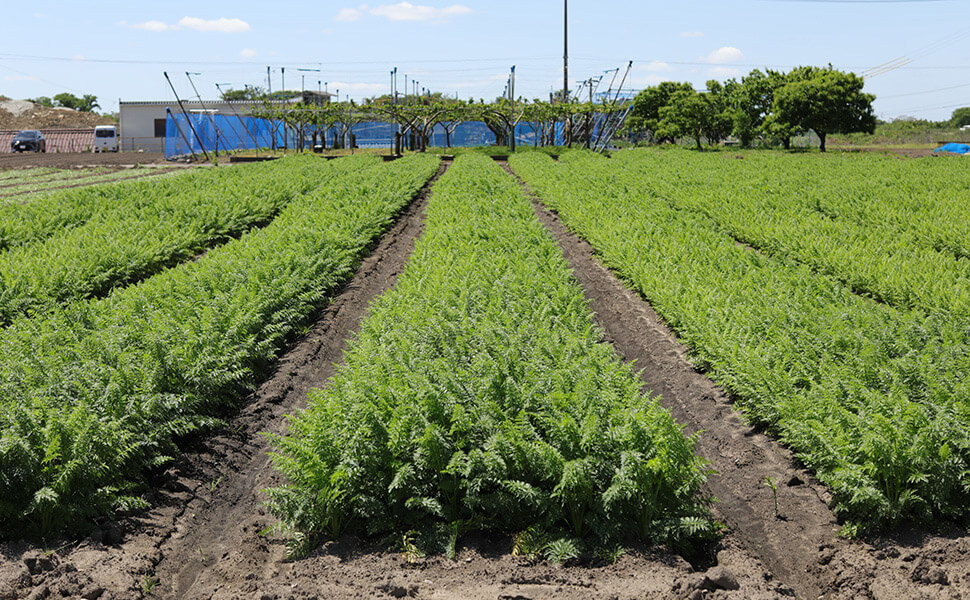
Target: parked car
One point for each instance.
(105, 138)
(29, 139)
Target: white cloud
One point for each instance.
(20, 78)
(78, 57)
(221, 25)
(348, 15)
(151, 26)
(38, 15)
(690, 34)
(725, 54)
(248, 53)
(405, 11)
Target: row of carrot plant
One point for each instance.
(33, 189)
(167, 225)
(29, 222)
(94, 394)
(20, 177)
(875, 400)
(760, 202)
(478, 396)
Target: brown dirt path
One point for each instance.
(64, 160)
(799, 544)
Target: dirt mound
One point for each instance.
(23, 114)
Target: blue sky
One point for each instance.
(119, 49)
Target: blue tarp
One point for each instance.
(954, 148)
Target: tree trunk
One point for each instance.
(786, 143)
(821, 139)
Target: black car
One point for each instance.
(29, 139)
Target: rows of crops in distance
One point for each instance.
(760, 203)
(23, 223)
(477, 396)
(874, 399)
(166, 226)
(92, 395)
(17, 193)
(41, 175)
(13, 175)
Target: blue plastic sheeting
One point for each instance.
(223, 132)
(954, 148)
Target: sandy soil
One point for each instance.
(202, 538)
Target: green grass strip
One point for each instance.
(875, 400)
(478, 396)
(93, 395)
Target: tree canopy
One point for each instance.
(770, 106)
(828, 101)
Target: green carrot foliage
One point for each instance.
(478, 396)
(874, 399)
(95, 393)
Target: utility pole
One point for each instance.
(565, 50)
(269, 82)
(283, 82)
(512, 98)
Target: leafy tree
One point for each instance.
(718, 118)
(43, 101)
(750, 102)
(825, 101)
(645, 113)
(85, 103)
(961, 117)
(249, 93)
(682, 116)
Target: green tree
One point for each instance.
(826, 101)
(961, 117)
(682, 116)
(750, 102)
(718, 119)
(85, 103)
(43, 101)
(645, 113)
(248, 93)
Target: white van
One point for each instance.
(105, 138)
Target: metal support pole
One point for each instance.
(187, 119)
(212, 119)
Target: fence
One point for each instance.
(58, 140)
